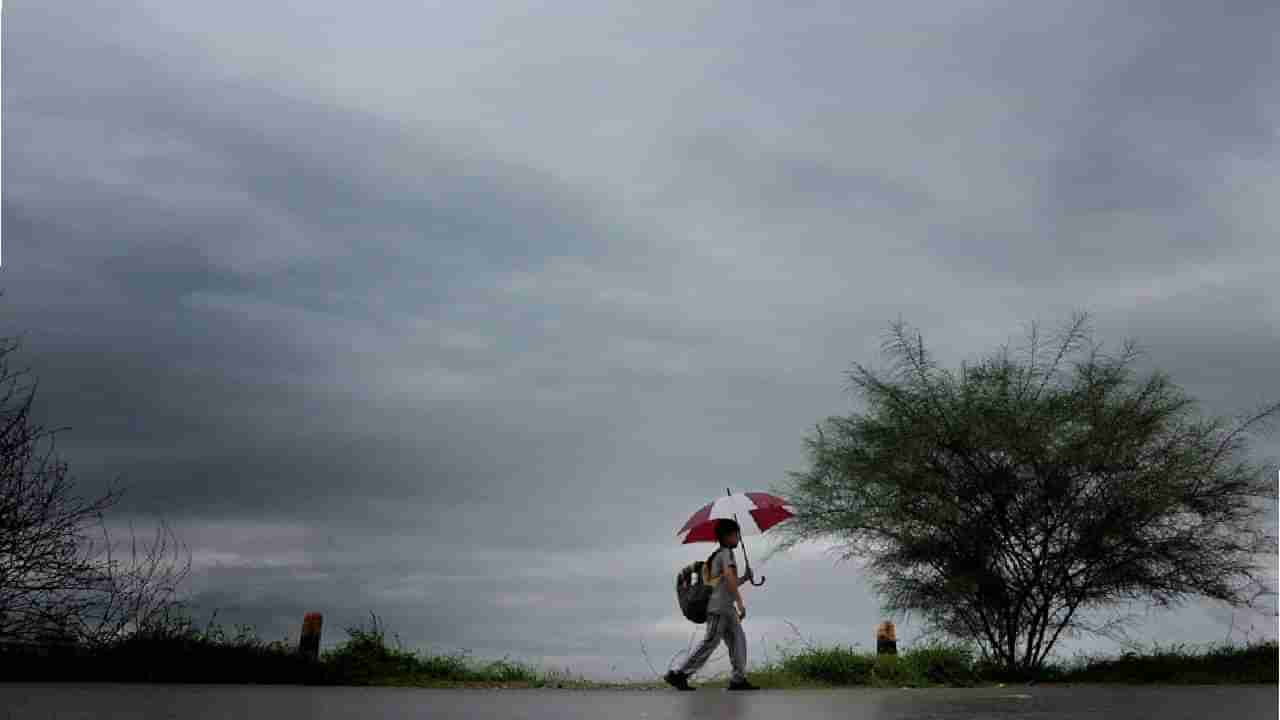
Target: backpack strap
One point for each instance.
(707, 577)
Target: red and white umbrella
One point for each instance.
(760, 510)
(754, 512)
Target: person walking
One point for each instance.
(725, 613)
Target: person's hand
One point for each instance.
(742, 611)
(748, 575)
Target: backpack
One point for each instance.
(694, 586)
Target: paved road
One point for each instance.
(201, 702)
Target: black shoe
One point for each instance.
(678, 681)
(742, 685)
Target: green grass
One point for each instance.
(837, 666)
(366, 658)
(1258, 662)
(942, 664)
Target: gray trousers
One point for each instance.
(720, 627)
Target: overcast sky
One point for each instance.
(454, 312)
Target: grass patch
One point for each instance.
(1258, 662)
(926, 665)
(366, 658)
(836, 665)
(941, 664)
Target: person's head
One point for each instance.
(728, 533)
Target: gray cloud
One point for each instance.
(453, 315)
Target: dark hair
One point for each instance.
(724, 527)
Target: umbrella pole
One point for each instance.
(742, 542)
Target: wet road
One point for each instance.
(198, 702)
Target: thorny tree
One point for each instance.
(62, 579)
(1005, 503)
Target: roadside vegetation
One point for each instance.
(180, 651)
(954, 665)
(926, 665)
(1181, 665)
(367, 658)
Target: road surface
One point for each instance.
(200, 702)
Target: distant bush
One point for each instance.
(367, 659)
(169, 648)
(923, 665)
(940, 663)
(935, 663)
(836, 665)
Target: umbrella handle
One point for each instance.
(743, 545)
(747, 560)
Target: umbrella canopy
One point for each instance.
(756, 512)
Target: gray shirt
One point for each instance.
(721, 602)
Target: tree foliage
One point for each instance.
(1005, 502)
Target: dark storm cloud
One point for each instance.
(453, 316)
(181, 321)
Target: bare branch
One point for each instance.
(61, 577)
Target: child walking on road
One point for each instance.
(724, 621)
